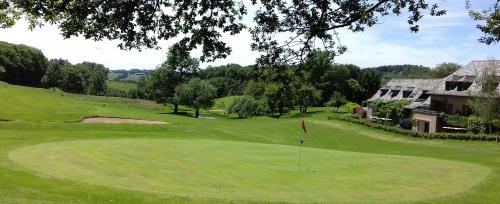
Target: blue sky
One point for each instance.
(450, 38)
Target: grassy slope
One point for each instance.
(126, 86)
(25, 186)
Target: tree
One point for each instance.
(487, 104)
(161, 85)
(318, 63)
(491, 19)
(255, 89)
(335, 79)
(94, 77)
(200, 23)
(354, 91)
(369, 80)
(53, 75)
(336, 101)
(278, 98)
(306, 96)
(23, 65)
(177, 69)
(71, 80)
(197, 94)
(245, 107)
(444, 69)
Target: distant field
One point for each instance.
(126, 86)
(47, 156)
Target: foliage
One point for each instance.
(391, 109)
(245, 107)
(490, 22)
(278, 98)
(84, 78)
(487, 104)
(443, 70)
(200, 24)
(177, 69)
(307, 96)
(336, 101)
(335, 79)
(255, 88)
(23, 65)
(229, 79)
(454, 136)
(406, 123)
(370, 81)
(315, 67)
(196, 93)
(402, 72)
(52, 77)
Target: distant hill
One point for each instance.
(132, 75)
(405, 71)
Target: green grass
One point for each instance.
(126, 86)
(46, 160)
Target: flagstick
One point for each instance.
(300, 153)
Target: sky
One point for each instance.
(450, 38)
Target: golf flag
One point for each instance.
(304, 126)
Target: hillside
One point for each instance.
(405, 71)
(36, 104)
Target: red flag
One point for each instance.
(304, 126)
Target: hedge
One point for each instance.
(454, 136)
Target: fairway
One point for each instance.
(231, 170)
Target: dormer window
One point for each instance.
(394, 93)
(407, 92)
(424, 96)
(383, 92)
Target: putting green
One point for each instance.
(249, 171)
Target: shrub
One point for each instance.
(456, 136)
(245, 107)
(406, 123)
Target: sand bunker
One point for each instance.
(106, 120)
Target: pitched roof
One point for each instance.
(471, 74)
(413, 90)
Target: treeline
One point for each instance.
(271, 90)
(27, 66)
(408, 71)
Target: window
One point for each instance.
(383, 92)
(423, 96)
(394, 93)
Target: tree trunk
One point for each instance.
(176, 108)
(197, 112)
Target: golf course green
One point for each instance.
(248, 171)
(48, 156)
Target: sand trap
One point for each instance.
(106, 120)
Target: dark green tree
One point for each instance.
(177, 69)
(245, 107)
(23, 65)
(318, 63)
(336, 101)
(443, 70)
(53, 75)
(335, 79)
(307, 96)
(370, 81)
(196, 93)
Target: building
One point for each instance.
(431, 97)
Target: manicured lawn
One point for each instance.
(46, 160)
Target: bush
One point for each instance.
(406, 123)
(456, 136)
(245, 107)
